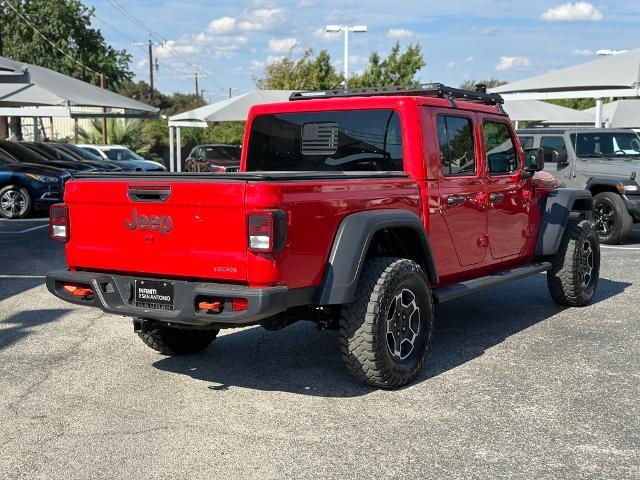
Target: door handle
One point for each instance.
(456, 200)
(496, 197)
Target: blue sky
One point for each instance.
(232, 40)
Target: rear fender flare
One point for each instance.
(556, 211)
(351, 245)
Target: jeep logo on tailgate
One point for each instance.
(162, 224)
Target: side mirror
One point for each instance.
(533, 159)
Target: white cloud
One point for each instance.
(469, 59)
(282, 45)
(170, 48)
(255, 65)
(142, 63)
(222, 25)
(452, 65)
(583, 53)
(274, 59)
(513, 63)
(262, 19)
(399, 33)
(485, 31)
(306, 3)
(573, 12)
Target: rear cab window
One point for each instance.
(502, 156)
(457, 150)
(340, 140)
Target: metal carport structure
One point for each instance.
(28, 90)
(610, 76)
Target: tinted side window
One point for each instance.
(501, 151)
(349, 140)
(457, 152)
(552, 143)
(526, 142)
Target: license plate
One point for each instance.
(154, 294)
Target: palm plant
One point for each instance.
(128, 133)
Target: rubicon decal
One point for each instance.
(162, 224)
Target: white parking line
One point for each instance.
(619, 248)
(21, 277)
(29, 229)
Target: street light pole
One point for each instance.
(346, 29)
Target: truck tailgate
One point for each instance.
(184, 228)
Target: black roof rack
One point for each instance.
(428, 90)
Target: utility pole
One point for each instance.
(196, 76)
(150, 43)
(104, 119)
(346, 29)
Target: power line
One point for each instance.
(49, 41)
(116, 4)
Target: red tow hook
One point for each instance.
(210, 306)
(78, 291)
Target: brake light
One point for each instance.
(267, 231)
(239, 304)
(59, 222)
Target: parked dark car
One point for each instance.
(23, 154)
(124, 157)
(214, 158)
(25, 187)
(71, 154)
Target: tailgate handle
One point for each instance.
(149, 193)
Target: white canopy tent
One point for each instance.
(620, 114)
(31, 86)
(230, 110)
(610, 76)
(536, 110)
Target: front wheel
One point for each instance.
(575, 270)
(177, 341)
(613, 222)
(385, 332)
(15, 202)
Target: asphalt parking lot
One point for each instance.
(516, 387)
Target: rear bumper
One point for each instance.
(114, 294)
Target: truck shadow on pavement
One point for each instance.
(18, 326)
(300, 359)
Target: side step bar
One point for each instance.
(462, 289)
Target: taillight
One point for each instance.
(59, 222)
(267, 230)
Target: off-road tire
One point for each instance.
(566, 280)
(177, 341)
(22, 194)
(364, 342)
(622, 220)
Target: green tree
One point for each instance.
(67, 25)
(398, 69)
(306, 73)
(140, 91)
(491, 83)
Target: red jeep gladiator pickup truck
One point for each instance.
(358, 210)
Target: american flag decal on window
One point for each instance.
(319, 138)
